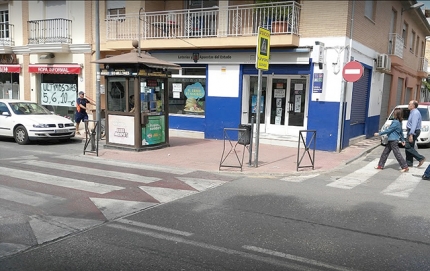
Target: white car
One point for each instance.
(25, 121)
(424, 137)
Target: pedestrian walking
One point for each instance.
(81, 110)
(395, 134)
(413, 130)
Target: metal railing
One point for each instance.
(423, 65)
(50, 31)
(6, 34)
(240, 20)
(395, 45)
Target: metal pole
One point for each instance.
(98, 102)
(257, 114)
(251, 142)
(138, 37)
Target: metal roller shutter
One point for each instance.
(360, 95)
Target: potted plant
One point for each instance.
(275, 15)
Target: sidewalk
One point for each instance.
(205, 155)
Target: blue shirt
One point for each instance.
(414, 121)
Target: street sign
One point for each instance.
(263, 49)
(352, 71)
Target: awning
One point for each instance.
(10, 68)
(55, 68)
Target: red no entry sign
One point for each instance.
(352, 71)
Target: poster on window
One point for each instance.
(298, 104)
(121, 129)
(254, 104)
(153, 132)
(279, 93)
(278, 102)
(58, 94)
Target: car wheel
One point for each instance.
(21, 136)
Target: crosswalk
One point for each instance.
(401, 185)
(46, 198)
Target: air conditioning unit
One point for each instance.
(383, 62)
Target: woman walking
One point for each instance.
(394, 133)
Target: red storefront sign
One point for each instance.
(55, 68)
(10, 68)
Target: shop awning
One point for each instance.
(10, 68)
(55, 68)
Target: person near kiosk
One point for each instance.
(81, 110)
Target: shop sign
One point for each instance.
(318, 83)
(10, 68)
(58, 94)
(54, 69)
(153, 132)
(121, 72)
(153, 74)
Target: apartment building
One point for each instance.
(49, 45)
(46, 51)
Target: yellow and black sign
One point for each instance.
(263, 49)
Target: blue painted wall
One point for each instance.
(323, 117)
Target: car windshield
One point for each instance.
(423, 110)
(23, 108)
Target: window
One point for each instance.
(405, 34)
(115, 9)
(412, 42)
(4, 24)
(369, 9)
(417, 46)
(116, 88)
(202, 3)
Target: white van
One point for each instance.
(424, 138)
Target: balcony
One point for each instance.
(423, 67)
(6, 38)
(51, 35)
(241, 21)
(395, 49)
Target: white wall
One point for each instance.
(223, 80)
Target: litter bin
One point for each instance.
(244, 137)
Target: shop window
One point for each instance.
(187, 96)
(9, 86)
(116, 94)
(152, 95)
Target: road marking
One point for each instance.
(92, 171)
(114, 208)
(27, 197)
(164, 195)
(59, 181)
(153, 227)
(297, 258)
(405, 184)
(200, 184)
(359, 176)
(98, 160)
(177, 239)
(298, 178)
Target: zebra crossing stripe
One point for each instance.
(98, 160)
(359, 176)
(92, 171)
(27, 197)
(405, 184)
(59, 181)
(299, 178)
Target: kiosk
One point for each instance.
(136, 96)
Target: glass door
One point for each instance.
(249, 100)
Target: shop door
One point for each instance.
(249, 100)
(286, 105)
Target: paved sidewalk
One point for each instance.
(205, 155)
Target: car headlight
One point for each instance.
(425, 128)
(40, 125)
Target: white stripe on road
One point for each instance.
(98, 160)
(297, 258)
(92, 171)
(27, 197)
(359, 176)
(59, 181)
(153, 227)
(298, 178)
(405, 184)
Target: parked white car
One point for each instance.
(26, 121)
(424, 138)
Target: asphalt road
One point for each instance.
(354, 218)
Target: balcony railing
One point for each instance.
(423, 65)
(50, 31)
(241, 20)
(395, 45)
(6, 34)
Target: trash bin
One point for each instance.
(244, 137)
